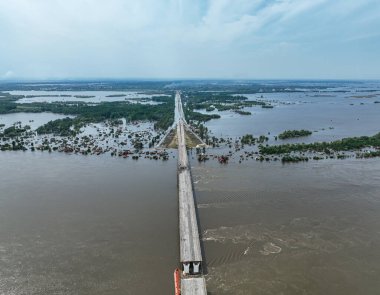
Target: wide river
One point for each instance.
(100, 225)
(87, 225)
(307, 228)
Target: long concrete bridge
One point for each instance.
(192, 279)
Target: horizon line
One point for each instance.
(105, 79)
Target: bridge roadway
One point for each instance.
(179, 115)
(192, 280)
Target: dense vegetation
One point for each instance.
(213, 97)
(162, 114)
(294, 133)
(62, 127)
(7, 102)
(346, 144)
(220, 101)
(248, 139)
(7, 107)
(196, 116)
(210, 101)
(198, 85)
(14, 131)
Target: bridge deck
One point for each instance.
(192, 283)
(193, 286)
(190, 249)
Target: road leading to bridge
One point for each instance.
(180, 117)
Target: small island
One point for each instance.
(244, 113)
(294, 134)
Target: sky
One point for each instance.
(189, 39)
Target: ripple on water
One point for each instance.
(270, 248)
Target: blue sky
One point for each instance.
(233, 39)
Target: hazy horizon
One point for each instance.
(164, 79)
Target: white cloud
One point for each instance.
(126, 38)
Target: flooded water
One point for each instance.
(312, 228)
(87, 225)
(100, 225)
(330, 116)
(97, 131)
(86, 96)
(34, 120)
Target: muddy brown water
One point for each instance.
(100, 225)
(87, 225)
(308, 228)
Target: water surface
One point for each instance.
(85, 96)
(329, 115)
(34, 120)
(87, 225)
(312, 228)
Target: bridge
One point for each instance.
(170, 138)
(192, 279)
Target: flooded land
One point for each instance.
(287, 191)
